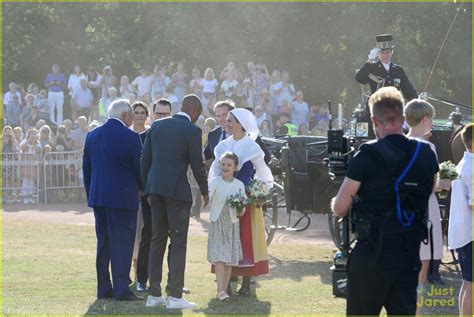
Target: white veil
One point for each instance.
(247, 121)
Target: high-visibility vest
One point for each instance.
(292, 129)
(102, 112)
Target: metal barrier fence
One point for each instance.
(54, 177)
(32, 178)
(62, 171)
(21, 173)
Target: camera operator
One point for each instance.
(389, 220)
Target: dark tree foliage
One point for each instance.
(320, 44)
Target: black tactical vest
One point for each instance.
(376, 207)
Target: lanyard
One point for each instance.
(405, 218)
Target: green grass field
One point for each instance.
(49, 269)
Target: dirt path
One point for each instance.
(79, 214)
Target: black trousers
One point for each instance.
(145, 239)
(388, 280)
(168, 217)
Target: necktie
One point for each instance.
(223, 135)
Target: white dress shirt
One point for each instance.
(460, 216)
(184, 114)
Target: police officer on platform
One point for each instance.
(389, 220)
(379, 71)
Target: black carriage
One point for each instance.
(303, 184)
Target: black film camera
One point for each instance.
(341, 148)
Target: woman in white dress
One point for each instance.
(243, 127)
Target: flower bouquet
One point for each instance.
(259, 192)
(447, 170)
(238, 202)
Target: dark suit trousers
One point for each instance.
(168, 217)
(115, 230)
(144, 249)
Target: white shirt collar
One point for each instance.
(119, 121)
(185, 115)
(387, 66)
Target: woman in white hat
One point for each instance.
(243, 127)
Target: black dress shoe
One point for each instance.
(106, 296)
(131, 297)
(244, 292)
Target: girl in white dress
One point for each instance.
(224, 249)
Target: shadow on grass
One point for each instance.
(238, 305)
(297, 270)
(235, 306)
(113, 307)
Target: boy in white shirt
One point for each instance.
(460, 222)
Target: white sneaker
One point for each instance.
(179, 303)
(153, 301)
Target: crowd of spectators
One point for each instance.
(37, 121)
(273, 98)
(23, 154)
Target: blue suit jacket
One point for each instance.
(212, 139)
(111, 166)
(171, 146)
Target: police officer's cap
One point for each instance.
(384, 41)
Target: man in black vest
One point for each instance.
(379, 71)
(388, 212)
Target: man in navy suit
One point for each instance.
(111, 167)
(221, 109)
(171, 146)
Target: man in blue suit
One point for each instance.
(171, 146)
(111, 167)
(221, 109)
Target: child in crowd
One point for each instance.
(30, 149)
(460, 221)
(18, 134)
(209, 125)
(26, 113)
(224, 249)
(419, 117)
(42, 104)
(9, 150)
